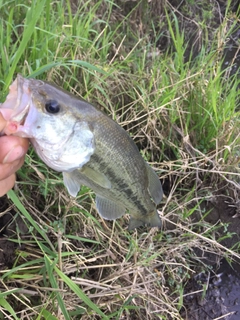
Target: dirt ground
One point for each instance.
(10, 224)
(221, 299)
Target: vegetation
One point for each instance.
(179, 106)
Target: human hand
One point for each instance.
(12, 153)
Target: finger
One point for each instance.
(7, 184)
(8, 169)
(3, 122)
(12, 148)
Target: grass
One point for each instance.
(69, 263)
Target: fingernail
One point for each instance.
(14, 154)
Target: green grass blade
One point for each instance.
(6, 305)
(80, 293)
(12, 195)
(46, 315)
(6, 293)
(32, 17)
(86, 65)
(50, 267)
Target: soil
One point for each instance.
(215, 294)
(222, 299)
(10, 222)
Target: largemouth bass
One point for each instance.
(73, 137)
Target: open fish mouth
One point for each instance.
(17, 107)
(18, 99)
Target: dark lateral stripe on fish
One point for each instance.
(124, 187)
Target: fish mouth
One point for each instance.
(17, 107)
(23, 97)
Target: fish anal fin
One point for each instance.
(72, 183)
(154, 185)
(108, 209)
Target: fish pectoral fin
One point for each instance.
(71, 182)
(154, 185)
(151, 221)
(97, 177)
(108, 209)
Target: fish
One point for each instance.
(76, 138)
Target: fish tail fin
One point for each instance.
(151, 221)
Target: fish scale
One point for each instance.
(72, 136)
(125, 160)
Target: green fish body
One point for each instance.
(89, 148)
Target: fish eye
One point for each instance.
(52, 106)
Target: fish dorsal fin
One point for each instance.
(154, 185)
(72, 182)
(97, 177)
(108, 209)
